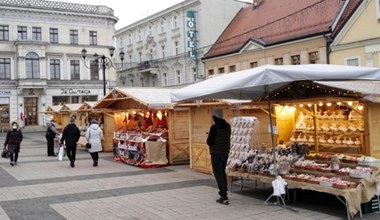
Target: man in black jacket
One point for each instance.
(70, 137)
(218, 141)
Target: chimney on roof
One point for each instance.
(256, 3)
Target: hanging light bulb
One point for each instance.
(309, 104)
(328, 104)
(349, 103)
(360, 107)
(338, 103)
(320, 104)
(301, 105)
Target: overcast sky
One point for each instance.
(129, 11)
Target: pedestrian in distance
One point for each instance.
(94, 136)
(50, 135)
(70, 137)
(13, 141)
(218, 141)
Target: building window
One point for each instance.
(176, 47)
(163, 51)
(140, 57)
(314, 57)
(221, 70)
(253, 64)
(352, 61)
(175, 21)
(210, 72)
(74, 69)
(32, 66)
(130, 38)
(73, 36)
(296, 60)
(53, 35)
(151, 54)
(93, 38)
(22, 33)
(279, 61)
(130, 60)
(164, 76)
(178, 76)
(140, 36)
(162, 27)
(94, 70)
(4, 33)
(5, 68)
(194, 74)
(232, 68)
(55, 69)
(142, 81)
(36, 33)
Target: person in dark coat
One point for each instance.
(218, 141)
(13, 141)
(70, 137)
(51, 133)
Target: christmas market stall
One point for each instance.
(321, 133)
(139, 125)
(53, 112)
(201, 120)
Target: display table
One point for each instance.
(145, 154)
(363, 193)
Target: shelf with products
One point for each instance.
(330, 126)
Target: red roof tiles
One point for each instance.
(275, 21)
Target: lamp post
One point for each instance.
(104, 62)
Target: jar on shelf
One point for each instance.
(335, 163)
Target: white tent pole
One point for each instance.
(271, 129)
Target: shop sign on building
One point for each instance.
(191, 34)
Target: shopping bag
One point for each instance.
(5, 153)
(61, 152)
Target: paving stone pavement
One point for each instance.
(42, 187)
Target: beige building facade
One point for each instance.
(40, 56)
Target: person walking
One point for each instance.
(218, 141)
(94, 135)
(50, 135)
(70, 137)
(13, 141)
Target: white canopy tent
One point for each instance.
(255, 83)
(250, 84)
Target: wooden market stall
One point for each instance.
(147, 111)
(53, 112)
(201, 120)
(85, 114)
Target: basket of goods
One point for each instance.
(343, 184)
(361, 172)
(311, 156)
(343, 171)
(312, 180)
(368, 161)
(289, 176)
(300, 177)
(325, 169)
(349, 159)
(325, 181)
(324, 157)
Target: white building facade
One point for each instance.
(165, 49)
(40, 56)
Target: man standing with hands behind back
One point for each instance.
(218, 141)
(70, 137)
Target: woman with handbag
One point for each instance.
(94, 135)
(13, 141)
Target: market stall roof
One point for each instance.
(151, 98)
(86, 106)
(253, 83)
(53, 109)
(70, 107)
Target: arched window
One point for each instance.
(32, 66)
